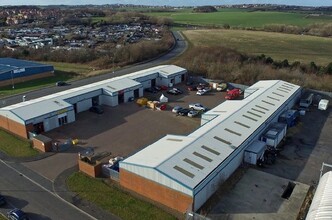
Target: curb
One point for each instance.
(7, 158)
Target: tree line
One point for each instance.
(230, 65)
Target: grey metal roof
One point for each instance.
(321, 205)
(8, 64)
(37, 107)
(213, 142)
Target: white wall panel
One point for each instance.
(83, 105)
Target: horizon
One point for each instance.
(171, 3)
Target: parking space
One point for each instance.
(124, 129)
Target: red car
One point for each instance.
(233, 94)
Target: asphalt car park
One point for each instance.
(124, 129)
(257, 194)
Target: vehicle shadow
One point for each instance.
(35, 216)
(15, 202)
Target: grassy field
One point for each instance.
(71, 67)
(20, 88)
(114, 200)
(276, 45)
(15, 147)
(241, 18)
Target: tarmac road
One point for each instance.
(178, 49)
(38, 202)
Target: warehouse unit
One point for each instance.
(321, 205)
(14, 71)
(52, 111)
(182, 172)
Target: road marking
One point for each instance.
(52, 193)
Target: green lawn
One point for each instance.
(21, 88)
(276, 45)
(15, 147)
(71, 67)
(241, 18)
(112, 199)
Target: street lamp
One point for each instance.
(12, 73)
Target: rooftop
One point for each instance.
(198, 154)
(55, 102)
(9, 64)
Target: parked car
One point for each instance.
(203, 91)
(200, 92)
(61, 83)
(17, 214)
(97, 109)
(176, 109)
(151, 90)
(233, 94)
(192, 113)
(197, 107)
(222, 87)
(2, 200)
(184, 112)
(172, 92)
(201, 86)
(178, 90)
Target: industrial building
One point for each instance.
(52, 111)
(182, 172)
(321, 205)
(15, 71)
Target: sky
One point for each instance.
(167, 2)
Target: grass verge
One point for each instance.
(112, 199)
(279, 46)
(36, 84)
(71, 67)
(15, 147)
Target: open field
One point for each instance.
(279, 46)
(14, 146)
(36, 84)
(71, 67)
(112, 199)
(241, 18)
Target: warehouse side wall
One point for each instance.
(25, 78)
(14, 127)
(156, 192)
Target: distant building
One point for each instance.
(14, 71)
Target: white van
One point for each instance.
(306, 102)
